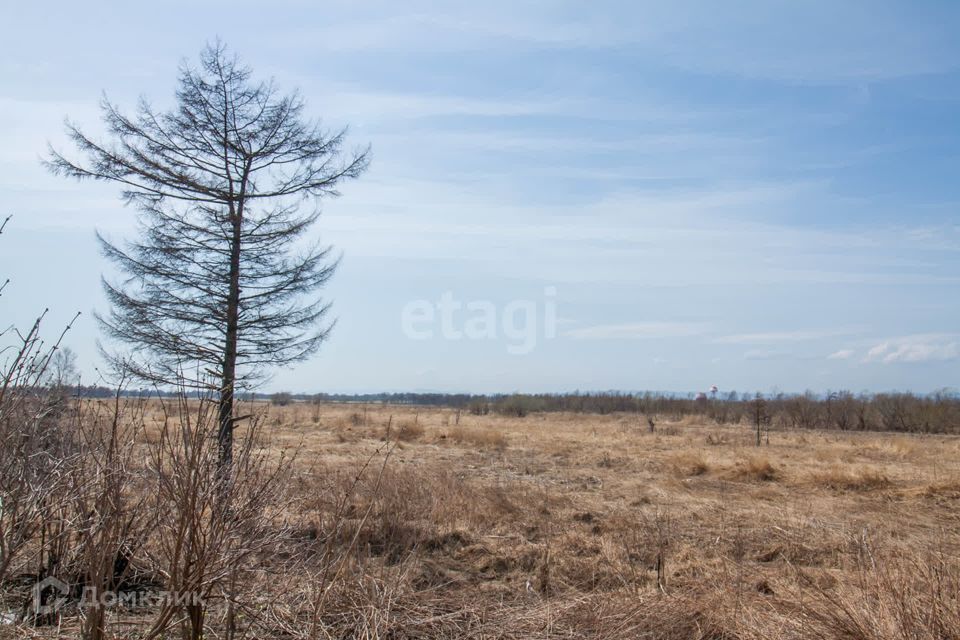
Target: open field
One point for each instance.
(566, 525)
(406, 522)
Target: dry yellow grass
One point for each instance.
(405, 431)
(489, 438)
(852, 478)
(566, 525)
(690, 531)
(756, 468)
(689, 463)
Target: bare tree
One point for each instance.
(759, 409)
(218, 279)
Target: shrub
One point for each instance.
(755, 469)
(689, 463)
(281, 399)
(408, 431)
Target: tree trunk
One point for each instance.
(195, 614)
(228, 381)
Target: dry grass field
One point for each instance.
(564, 525)
(393, 522)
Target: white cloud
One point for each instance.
(702, 234)
(916, 348)
(773, 337)
(814, 42)
(638, 330)
(390, 109)
(842, 354)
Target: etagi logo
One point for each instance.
(519, 321)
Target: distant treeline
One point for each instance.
(930, 413)
(90, 391)
(907, 412)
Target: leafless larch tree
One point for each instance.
(220, 279)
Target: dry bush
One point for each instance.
(91, 525)
(105, 528)
(37, 449)
(755, 469)
(407, 431)
(716, 440)
(845, 478)
(212, 523)
(131, 514)
(689, 463)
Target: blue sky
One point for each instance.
(756, 195)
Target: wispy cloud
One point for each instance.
(934, 347)
(773, 337)
(842, 354)
(638, 330)
(812, 42)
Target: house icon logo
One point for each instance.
(49, 595)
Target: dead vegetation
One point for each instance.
(483, 438)
(394, 522)
(755, 468)
(689, 463)
(844, 478)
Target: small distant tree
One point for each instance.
(281, 398)
(226, 184)
(803, 410)
(478, 407)
(840, 410)
(63, 372)
(759, 409)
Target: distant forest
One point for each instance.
(937, 412)
(930, 413)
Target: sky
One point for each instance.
(758, 195)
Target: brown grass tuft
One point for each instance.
(755, 469)
(689, 463)
(408, 431)
(898, 598)
(841, 478)
(944, 489)
(486, 438)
